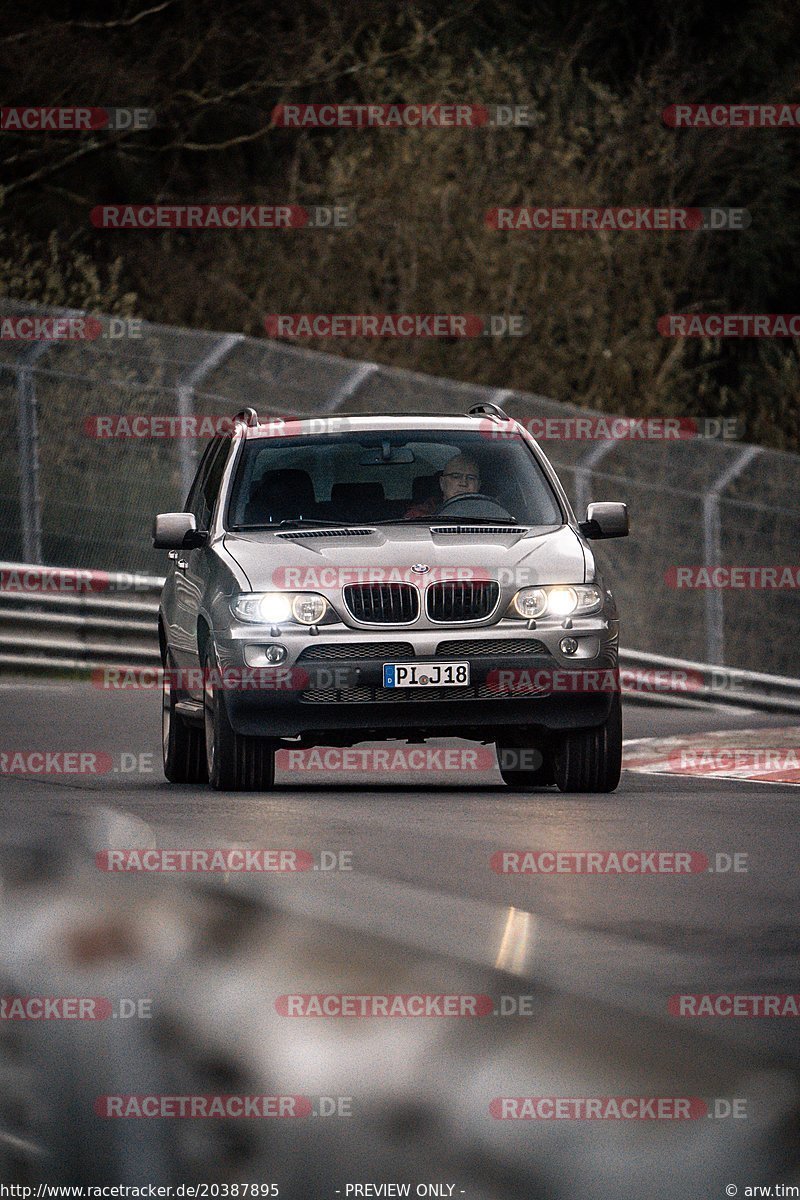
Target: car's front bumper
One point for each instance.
(317, 694)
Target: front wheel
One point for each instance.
(183, 745)
(525, 766)
(590, 760)
(236, 763)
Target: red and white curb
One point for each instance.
(754, 755)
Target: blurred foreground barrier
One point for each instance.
(210, 978)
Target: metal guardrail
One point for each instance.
(75, 620)
(61, 619)
(658, 678)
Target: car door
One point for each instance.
(191, 566)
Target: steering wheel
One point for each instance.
(483, 500)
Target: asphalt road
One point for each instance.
(418, 909)
(420, 850)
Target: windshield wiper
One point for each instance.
(433, 520)
(320, 523)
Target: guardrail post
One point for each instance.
(185, 390)
(712, 547)
(30, 502)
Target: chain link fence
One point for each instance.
(71, 498)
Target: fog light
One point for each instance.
(275, 654)
(568, 645)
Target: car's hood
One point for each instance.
(305, 563)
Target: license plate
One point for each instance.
(422, 674)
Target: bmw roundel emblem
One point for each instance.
(420, 568)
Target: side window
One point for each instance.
(209, 487)
(200, 476)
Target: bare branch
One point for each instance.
(325, 76)
(104, 25)
(53, 168)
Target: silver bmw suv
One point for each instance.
(341, 579)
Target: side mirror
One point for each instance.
(605, 521)
(177, 531)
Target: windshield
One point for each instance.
(459, 477)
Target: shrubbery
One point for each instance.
(213, 74)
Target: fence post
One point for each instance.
(30, 503)
(185, 390)
(499, 396)
(360, 373)
(712, 547)
(583, 473)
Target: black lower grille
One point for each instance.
(496, 648)
(338, 652)
(448, 602)
(368, 695)
(382, 603)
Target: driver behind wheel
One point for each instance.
(460, 477)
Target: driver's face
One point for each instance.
(459, 477)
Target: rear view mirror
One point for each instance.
(605, 521)
(387, 456)
(177, 531)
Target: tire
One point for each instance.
(590, 760)
(235, 763)
(183, 745)
(541, 776)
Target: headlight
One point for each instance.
(308, 609)
(530, 602)
(561, 601)
(556, 601)
(273, 608)
(590, 599)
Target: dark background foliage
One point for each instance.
(596, 77)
